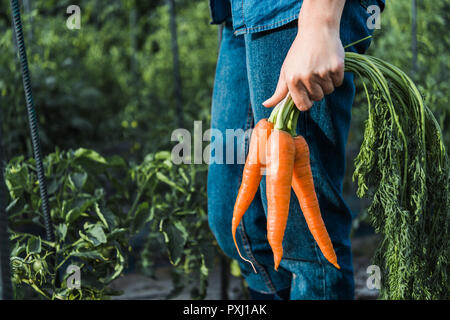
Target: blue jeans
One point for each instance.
(247, 73)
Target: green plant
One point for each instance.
(92, 230)
(404, 169)
(176, 195)
(90, 199)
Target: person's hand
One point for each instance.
(314, 65)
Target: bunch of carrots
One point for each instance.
(276, 149)
(406, 170)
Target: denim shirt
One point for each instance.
(250, 16)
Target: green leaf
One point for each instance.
(100, 215)
(34, 245)
(16, 177)
(141, 217)
(17, 249)
(162, 155)
(78, 179)
(96, 235)
(89, 154)
(12, 204)
(185, 212)
(116, 234)
(88, 255)
(162, 177)
(117, 161)
(112, 218)
(235, 269)
(83, 202)
(203, 269)
(175, 235)
(61, 230)
(168, 164)
(183, 174)
(118, 268)
(73, 215)
(52, 187)
(84, 237)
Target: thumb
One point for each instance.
(280, 93)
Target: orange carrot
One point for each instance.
(251, 176)
(280, 164)
(303, 185)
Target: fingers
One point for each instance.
(337, 73)
(305, 89)
(300, 96)
(326, 83)
(314, 87)
(280, 93)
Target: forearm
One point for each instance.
(321, 12)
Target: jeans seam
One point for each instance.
(250, 119)
(242, 12)
(323, 271)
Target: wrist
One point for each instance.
(321, 14)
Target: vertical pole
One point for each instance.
(176, 63)
(32, 118)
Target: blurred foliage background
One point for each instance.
(110, 85)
